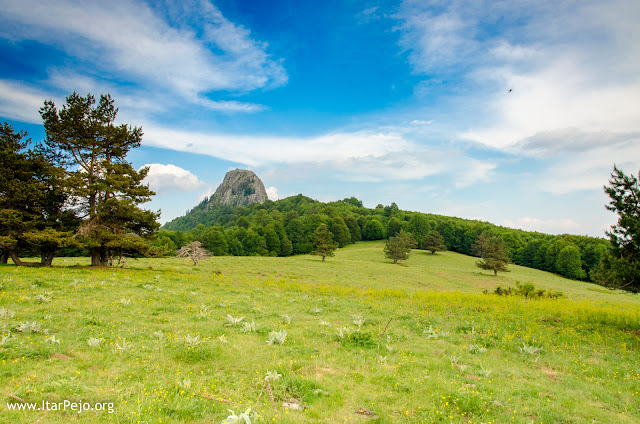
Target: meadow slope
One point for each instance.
(366, 341)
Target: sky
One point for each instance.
(512, 112)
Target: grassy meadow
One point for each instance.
(366, 342)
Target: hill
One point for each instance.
(365, 341)
(286, 227)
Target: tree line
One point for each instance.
(287, 227)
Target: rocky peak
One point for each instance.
(240, 187)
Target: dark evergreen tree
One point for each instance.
(622, 270)
(323, 243)
(434, 242)
(493, 251)
(84, 138)
(32, 202)
(398, 247)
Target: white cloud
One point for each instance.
(209, 192)
(370, 156)
(131, 41)
(21, 102)
(549, 226)
(272, 193)
(557, 81)
(258, 150)
(164, 178)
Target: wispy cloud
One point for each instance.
(125, 40)
(556, 81)
(20, 102)
(365, 156)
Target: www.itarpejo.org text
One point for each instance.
(66, 405)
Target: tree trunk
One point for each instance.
(495, 273)
(16, 260)
(323, 258)
(99, 256)
(3, 256)
(46, 257)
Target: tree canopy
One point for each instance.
(33, 218)
(323, 243)
(493, 253)
(398, 247)
(83, 138)
(622, 269)
(434, 242)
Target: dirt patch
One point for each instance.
(61, 356)
(551, 374)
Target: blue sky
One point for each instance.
(512, 112)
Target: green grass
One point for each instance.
(450, 353)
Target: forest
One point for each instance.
(285, 227)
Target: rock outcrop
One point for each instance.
(240, 187)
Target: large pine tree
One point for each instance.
(622, 268)
(84, 139)
(33, 219)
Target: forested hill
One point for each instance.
(286, 226)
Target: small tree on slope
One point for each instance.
(323, 242)
(399, 247)
(493, 251)
(434, 242)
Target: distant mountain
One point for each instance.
(240, 187)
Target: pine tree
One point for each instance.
(323, 243)
(398, 248)
(622, 269)
(493, 251)
(434, 242)
(83, 138)
(32, 213)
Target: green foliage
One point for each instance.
(569, 263)
(82, 137)
(493, 251)
(398, 248)
(621, 271)
(528, 291)
(323, 243)
(33, 216)
(374, 230)
(434, 242)
(340, 231)
(360, 339)
(394, 225)
(296, 218)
